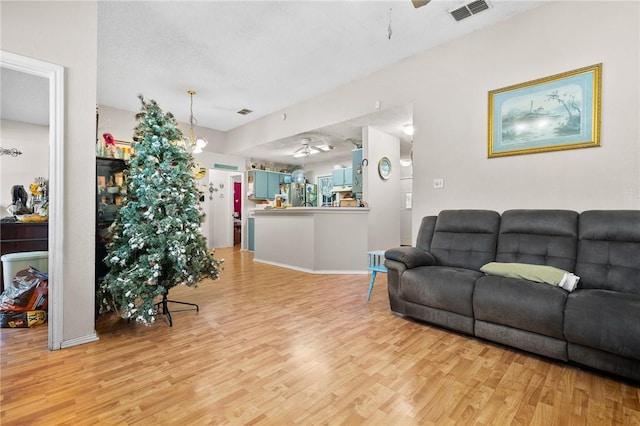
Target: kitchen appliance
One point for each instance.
(302, 194)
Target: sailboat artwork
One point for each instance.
(553, 113)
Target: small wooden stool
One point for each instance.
(375, 264)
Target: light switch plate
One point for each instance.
(438, 183)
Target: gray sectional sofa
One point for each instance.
(596, 325)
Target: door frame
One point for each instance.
(229, 176)
(55, 75)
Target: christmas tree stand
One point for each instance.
(167, 312)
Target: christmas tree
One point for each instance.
(156, 242)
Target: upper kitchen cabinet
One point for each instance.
(342, 177)
(264, 185)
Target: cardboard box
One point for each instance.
(348, 202)
(12, 319)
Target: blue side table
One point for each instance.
(375, 264)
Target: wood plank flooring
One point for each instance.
(271, 346)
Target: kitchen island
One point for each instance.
(319, 240)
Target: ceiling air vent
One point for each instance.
(469, 9)
(244, 111)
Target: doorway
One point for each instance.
(54, 75)
(223, 205)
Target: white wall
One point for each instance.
(33, 141)
(382, 196)
(448, 87)
(64, 33)
(451, 135)
(121, 124)
(406, 235)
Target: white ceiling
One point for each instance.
(261, 55)
(343, 137)
(265, 55)
(24, 97)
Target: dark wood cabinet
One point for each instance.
(17, 237)
(110, 189)
(110, 192)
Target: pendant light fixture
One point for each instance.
(195, 143)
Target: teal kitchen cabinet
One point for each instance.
(267, 184)
(260, 184)
(273, 185)
(342, 177)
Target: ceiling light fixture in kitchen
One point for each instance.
(306, 149)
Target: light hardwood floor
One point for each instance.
(275, 346)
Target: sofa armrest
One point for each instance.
(411, 257)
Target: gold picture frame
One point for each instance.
(553, 113)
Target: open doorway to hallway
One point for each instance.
(223, 207)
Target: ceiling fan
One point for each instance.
(307, 149)
(420, 3)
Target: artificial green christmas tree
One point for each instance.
(156, 241)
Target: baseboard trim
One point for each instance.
(79, 340)
(311, 271)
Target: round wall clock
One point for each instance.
(384, 168)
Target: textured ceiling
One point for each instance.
(261, 55)
(24, 97)
(342, 137)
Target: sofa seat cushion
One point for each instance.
(604, 320)
(441, 287)
(522, 304)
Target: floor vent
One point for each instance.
(469, 9)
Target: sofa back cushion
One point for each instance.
(609, 250)
(425, 233)
(465, 238)
(540, 237)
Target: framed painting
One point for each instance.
(554, 113)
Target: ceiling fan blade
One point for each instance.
(420, 3)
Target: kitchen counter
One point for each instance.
(321, 240)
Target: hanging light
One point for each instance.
(192, 141)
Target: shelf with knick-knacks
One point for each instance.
(111, 189)
(109, 147)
